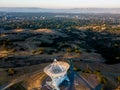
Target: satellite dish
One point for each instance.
(58, 73)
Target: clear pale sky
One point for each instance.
(61, 3)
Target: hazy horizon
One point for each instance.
(66, 8)
(72, 10)
(61, 4)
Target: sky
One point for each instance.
(61, 3)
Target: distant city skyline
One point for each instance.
(61, 3)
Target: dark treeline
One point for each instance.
(103, 44)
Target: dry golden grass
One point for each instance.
(3, 35)
(18, 30)
(43, 31)
(3, 53)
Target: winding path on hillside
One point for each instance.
(22, 78)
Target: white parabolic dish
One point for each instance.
(57, 69)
